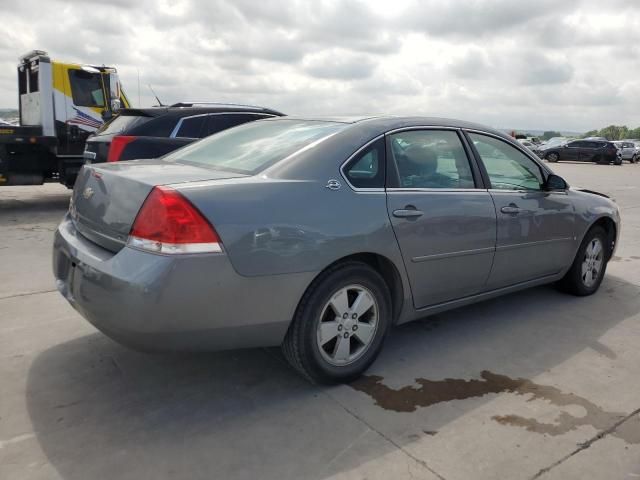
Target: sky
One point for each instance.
(541, 64)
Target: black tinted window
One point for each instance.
(366, 170)
(86, 88)
(191, 127)
(217, 123)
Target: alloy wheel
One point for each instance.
(347, 325)
(592, 262)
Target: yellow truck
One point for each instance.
(60, 105)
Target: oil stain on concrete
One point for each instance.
(431, 392)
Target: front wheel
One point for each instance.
(552, 157)
(587, 271)
(340, 324)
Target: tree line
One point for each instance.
(615, 132)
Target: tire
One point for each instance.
(634, 159)
(552, 157)
(575, 281)
(320, 359)
(617, 161)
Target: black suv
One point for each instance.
(152, 132)
(598, 151)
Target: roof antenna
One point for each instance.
(160, 104)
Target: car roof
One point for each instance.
(386, 123)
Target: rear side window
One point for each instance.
(217, 123)
(431, 159)
(191, 127)
(122, 123)
(366, 170)
(86, 88)
(254, 146)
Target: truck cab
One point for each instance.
(60, 105)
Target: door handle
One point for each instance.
(510, 209)
(407, 213)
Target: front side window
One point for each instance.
(508, 168)
(431, 159)
(86, 88)
(254, 146)
(366, 170)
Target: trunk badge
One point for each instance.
(88, 193)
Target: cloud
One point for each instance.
(545, 64)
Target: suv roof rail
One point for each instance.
(215, 104)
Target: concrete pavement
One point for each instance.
(536, 384)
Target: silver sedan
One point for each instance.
(320, 235)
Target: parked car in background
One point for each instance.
(630, 150)
(320, 235)
(597, 151)
(531, 146)
(138, 133)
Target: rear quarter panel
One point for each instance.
(274, 227)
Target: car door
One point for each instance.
(588, 151)
(535, 234)
(443, 218)
(571, 151)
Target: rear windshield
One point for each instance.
(254, 146)
(121, 123)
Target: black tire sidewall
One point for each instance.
(317, 298)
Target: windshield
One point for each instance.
(254, 146)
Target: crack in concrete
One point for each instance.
(26, 294)
(418, 460)
(587, 444)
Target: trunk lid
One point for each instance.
(107, 197)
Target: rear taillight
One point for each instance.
(118, 143)
(169, 223)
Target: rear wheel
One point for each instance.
(588, 268)
(340, 324)
(618, 161)
(552, 157)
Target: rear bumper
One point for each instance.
(176, 303)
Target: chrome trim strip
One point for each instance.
(545, 192)
(436, 190)
(502, 248)
(175, 130)
(462, 253)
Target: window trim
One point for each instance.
(176, 129)
(543, 169)
(355, 154)
(476, 173)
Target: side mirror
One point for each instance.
(555, 183)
